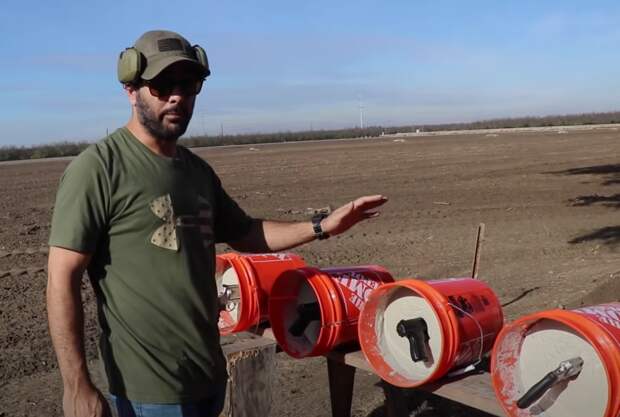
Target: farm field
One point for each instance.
(550, 202)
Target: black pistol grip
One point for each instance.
(537, 390)
(416, 332)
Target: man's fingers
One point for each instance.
(362, 205)
(370, 198)
(371, 214)
(369, 202)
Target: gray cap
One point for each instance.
(162, 48)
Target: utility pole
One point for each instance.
(221, 129)
(361, 113)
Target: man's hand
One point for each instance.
(66, 322)
(84, 401)
(274, 236)
(343, 218)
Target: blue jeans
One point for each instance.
(209, 407)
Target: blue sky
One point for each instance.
(288, 65)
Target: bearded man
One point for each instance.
(143, 214)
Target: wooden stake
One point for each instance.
(476, 265)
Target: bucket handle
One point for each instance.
(472, 366)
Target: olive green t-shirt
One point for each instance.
(151, 223)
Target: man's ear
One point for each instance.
(132, 92)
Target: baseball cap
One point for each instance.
(162, 48)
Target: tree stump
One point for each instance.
(251, 368)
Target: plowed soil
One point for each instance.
(549, 200)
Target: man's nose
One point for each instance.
(177, 94)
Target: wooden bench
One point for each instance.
(473, 390)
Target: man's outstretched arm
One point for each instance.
(66, 323)
(273, 236)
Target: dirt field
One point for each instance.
(549, 200)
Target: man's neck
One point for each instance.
(157, 146)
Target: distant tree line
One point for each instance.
(9, 153)
(528, 121)
(247, 139)
(14, 153)
(373, 131)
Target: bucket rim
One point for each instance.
(445, 315)
(320, 284)
(598, 337)
(249, 308)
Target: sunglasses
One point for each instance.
(165, 86)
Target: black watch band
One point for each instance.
(316, 226)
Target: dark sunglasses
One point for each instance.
(165, 86)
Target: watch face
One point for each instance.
(318, 217)
(316, 226)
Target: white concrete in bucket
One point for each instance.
(304, 343)
(230, 278)
(545, 345)
(404, 304)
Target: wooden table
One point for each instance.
(474, 390)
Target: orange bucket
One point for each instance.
(533, 358)
(413, 331)
(313, 310)
(244, 282)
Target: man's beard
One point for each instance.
(170, 132)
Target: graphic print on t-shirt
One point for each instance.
(166, 235)
(205, 216)
(202, 222)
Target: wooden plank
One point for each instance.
(250, 361)
(474, 390)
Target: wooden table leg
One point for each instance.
(396, 404)
(341, 379)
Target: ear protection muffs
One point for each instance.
(131, 64)
(201, 56)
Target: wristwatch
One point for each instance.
(316, 226)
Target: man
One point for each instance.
(143, 214)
